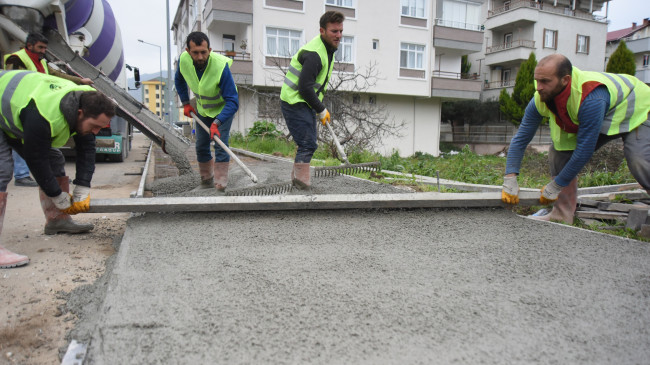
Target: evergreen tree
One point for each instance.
(622, 61)
(513, 106)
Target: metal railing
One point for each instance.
(517, 4)
(241, 55)
(499, 84)
(458, 25)
(490, 134)
(514, 44)
(454, 75)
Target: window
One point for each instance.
(372, 99)
(646, 60)
(157, 105)
(356, 99)
(157, 87)
(582, 45)
(345, 3)
(375, 44)
(345, 50)
(505, 76)
(228, 43)
(550, 38)
(411, 56)
(282, 42)
(414, 8)
(461, 14)
(507, 40)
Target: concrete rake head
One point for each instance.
(268, 189)
(346, 169)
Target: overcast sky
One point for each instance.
(146, 20)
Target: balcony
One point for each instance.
(514, 51)
(528, 10)
(468, 38)
(453, 85)
(640, 45)
(234, 11)
(242, 66)
(643, 74)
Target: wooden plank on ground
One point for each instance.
(621, 207)
(601, 215)
(307, 202)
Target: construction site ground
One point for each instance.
(388, 286)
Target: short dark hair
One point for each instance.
(197, 38)
(94, 103)
(564, 67)
(33, 38)
(331, 17)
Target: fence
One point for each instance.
(490, 134)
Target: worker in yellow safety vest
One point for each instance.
(39, 114)
(585, 111)
(303, 90)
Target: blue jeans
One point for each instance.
(301, 121)
(20, 166)
(203, 153)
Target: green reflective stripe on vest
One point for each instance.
(290, 90)
(18, 88)
(629, 106)
(29, 64)
(209, 101)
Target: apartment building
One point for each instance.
(515, 28)
(153, 95)
(413, 46)
(637, 40)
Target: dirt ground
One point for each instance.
(33, 319)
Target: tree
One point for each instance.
(465, 66)
(622, 61)
(513, 106)
(359, 119)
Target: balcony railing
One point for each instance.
(237, 56)
(499, 84)
(454, 75)
(517, 4)
(514, 44)
(458, 25)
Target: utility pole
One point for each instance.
(173, 114)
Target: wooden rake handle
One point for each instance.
(225, 148)
(338, 145)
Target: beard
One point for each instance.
(200, 65)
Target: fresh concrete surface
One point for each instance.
(369, 287)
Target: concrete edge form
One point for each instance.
(306, 202)
(145, 172)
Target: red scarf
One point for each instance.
(36, 59)
(562, 117)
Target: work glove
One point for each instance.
(62, 201)
(510, 192)
(214, 129)
(324, 116)
(550, 193)
(187, 109)
(80, 199)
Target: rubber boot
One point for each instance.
(221, 175)
(8, 259)
(55, 220)
(206, 171)
(565, 206)
(301, 175)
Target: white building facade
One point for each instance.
(414, 46)
(515, 28)
(637, 40)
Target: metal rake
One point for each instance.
(347, 168)
(261, 190)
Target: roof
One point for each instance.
(616, 35)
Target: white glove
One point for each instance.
(80, 193)
(63, 201)
(550, 193)
(510, 192)
(324, 116)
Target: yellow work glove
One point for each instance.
(510, 192)
(324, 116)
(80, 200)
(550, 193)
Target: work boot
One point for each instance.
(57, 221)
(221, 175)
(206, 170)
(301, 175)
(565, 205)
(25, 181)
(8, 259)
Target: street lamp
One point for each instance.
(165, 118)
